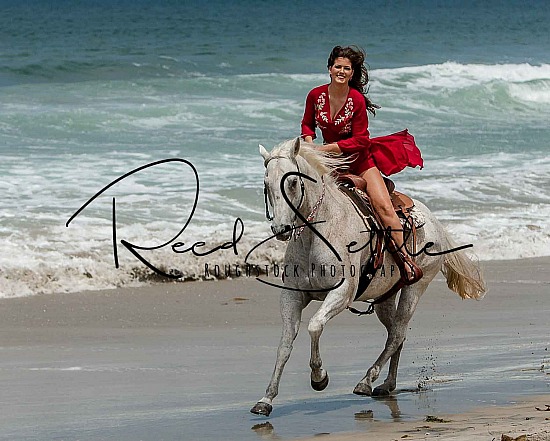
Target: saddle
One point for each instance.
(355, 188)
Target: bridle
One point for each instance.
(311, 216)
(268, 216)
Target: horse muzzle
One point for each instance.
(282, 232)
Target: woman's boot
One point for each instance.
(410, 271)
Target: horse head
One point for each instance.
(283, 186)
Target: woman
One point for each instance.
(339, 109)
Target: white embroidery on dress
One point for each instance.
(321, 115)
(345, 119)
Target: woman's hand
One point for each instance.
(331, 148)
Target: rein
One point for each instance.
(313, 212)
(268, 216)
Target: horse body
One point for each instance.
(324, 260)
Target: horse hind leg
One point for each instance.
(390, 382)
(385, 312)
(387, 315)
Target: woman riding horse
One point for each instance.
(339, 109)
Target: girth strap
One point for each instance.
(394, 290)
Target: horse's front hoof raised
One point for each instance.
(262, 408)
(320, 385)
(363, 389)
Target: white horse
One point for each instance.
(324, 256)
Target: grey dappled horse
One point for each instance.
(337, 238)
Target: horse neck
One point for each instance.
(321, 196)
(331, 199)
(332, 202)
(313, 190)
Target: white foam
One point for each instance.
(71, 149)
(68, 369)
(538, 93)
(452, 75)
(81, 257)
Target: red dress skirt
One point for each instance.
(390, 154)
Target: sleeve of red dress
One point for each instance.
(308, 121)
(360, 137)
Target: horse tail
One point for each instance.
(463, 274)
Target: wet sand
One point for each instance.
(187, 361)
(526, 420)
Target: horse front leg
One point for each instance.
(396, 322)
(334, 304)
(292, 305)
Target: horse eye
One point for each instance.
(293, 183)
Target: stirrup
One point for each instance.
(415, 273)
(402, 259)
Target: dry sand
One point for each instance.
(187, 361)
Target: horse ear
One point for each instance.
(295, 148)
(264, 152)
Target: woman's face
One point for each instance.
(341, 71)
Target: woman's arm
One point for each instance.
(308, 121)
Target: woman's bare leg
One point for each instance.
(381, 202)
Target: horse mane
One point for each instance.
(323, 163)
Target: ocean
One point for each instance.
(92, 90)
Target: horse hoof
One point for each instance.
(362, 389)
(380, 392)
(262, 408)
(320, 385)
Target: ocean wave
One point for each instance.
(448, 89)
(268, 102)
(483, 132)
(499, 203)
(536, 92)
(431, 77)
(522, 82)
(452, 75)
(81, 257)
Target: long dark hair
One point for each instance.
(360, 78)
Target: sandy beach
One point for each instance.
(523, 420)
(187, 361)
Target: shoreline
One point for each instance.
(144, 363)
(235, 272)
(524, 419)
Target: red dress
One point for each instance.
(349, 129)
